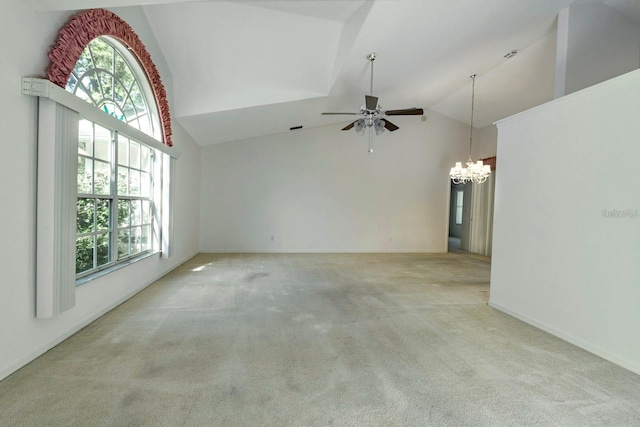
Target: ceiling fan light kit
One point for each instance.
(474, 172)
(372, 115)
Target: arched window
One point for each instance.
(108, 76)
(101, 24)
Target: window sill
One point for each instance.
(111, 269)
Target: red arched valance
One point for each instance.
(92, 23)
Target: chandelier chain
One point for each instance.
(473, 97)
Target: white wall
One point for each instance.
(595, 43)
(485, 142)
(25, 38)
(318, 190)
(557, 262)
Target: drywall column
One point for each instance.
(566, 240)
(595, 43)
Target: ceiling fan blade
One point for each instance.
(405, 112)
(341, 114)
(389, 126)
(349, 126)
(371, 102)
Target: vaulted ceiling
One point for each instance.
(245, 69)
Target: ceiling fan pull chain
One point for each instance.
(370, 141)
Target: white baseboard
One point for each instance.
(633, 366)
(312, 251)
(13, 367)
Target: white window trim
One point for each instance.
(44, 88)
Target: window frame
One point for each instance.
(115, 196)
(459, 206)
(116, 232)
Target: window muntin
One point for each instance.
(134, 187)
(108, 76)
(93, 235)
(94, 228)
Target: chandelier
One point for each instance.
(474, 172)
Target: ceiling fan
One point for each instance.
(372, 115)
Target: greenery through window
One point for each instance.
(134, 198)
(112, 183)
(115, 175)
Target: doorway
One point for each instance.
(459, 217)
(471, 217)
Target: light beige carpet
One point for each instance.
(315, 340)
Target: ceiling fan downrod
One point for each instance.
(371, 57)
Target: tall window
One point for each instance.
(105, 166)
(115, 178)
(459, 204)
